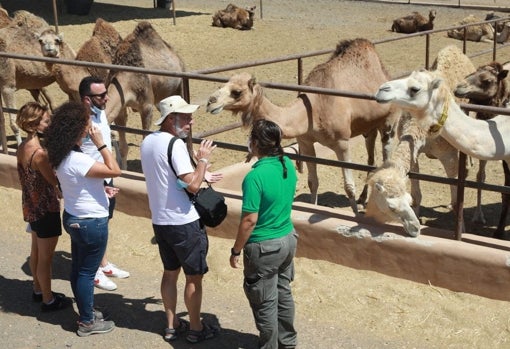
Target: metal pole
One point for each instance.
(261, 12)
(427, 51)
(55, 15)
(3, 134)
(459, 225)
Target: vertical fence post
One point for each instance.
(427, 51)
(261, 12)
(299, 71)
(461, 182)
(3, 135)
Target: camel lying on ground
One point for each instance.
(413, 23)
(143, 48)
(234, 17)
(328, 120)
(427, 98)
(489, 86)
(18, 37)
(100, 48)
(389, 200)
(483, 32)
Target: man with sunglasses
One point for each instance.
(94, 96)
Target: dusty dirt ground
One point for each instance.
(337, 307)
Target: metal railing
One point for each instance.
(204, 75)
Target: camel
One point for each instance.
(5, 19)
(389, 200)
(329, 120)
(100, 48)
(143, 48)
(425, 96)
(18, 37)
(498, 26)
(234, 17)
(413, 23)
(490, 86)
(482, 32)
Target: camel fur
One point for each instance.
(329, 120)
(100, 48)
(20, 37)
(489, 86)
(143, 48)
(413, 23)
(388, 200)
(433, 105)
(234, 17)
(483, 32)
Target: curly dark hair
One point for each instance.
(66, 129)
(267, 137)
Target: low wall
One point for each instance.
(480, 267)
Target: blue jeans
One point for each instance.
(88, 245)
(268, 272)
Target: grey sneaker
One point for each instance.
(95, 327)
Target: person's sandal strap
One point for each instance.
(172, 333)
(199, 336)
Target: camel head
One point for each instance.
(432, 15)
(389, 200)
(241, 94)
(483, 84)
(51, 43)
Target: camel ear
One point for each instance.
(252, 82)
(436, 83)
(380, 188)
(502, 74)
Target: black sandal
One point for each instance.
(172, 334)
(207, 332)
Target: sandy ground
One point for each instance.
(337, 307)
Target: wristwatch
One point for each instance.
(234, 253)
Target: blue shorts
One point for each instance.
(49, 226)
(183, 246)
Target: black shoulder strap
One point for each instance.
(170, 146)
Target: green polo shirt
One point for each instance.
(266, 192)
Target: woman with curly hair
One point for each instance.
(267, 237)
(85, 216)
(40, 203)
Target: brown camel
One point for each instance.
(143, 48)
(234, 17)
(329, 120)
(413, 23)
(483, 32)
(490, 86)
(100, 48)
(18, 38)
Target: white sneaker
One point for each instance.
(113, 271)
(102, 282)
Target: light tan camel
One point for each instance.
(428, 99)
(413, 23)
(100, 48)
(483, 32)
(389, 200)
(5, 19)
(18, 37)
(329, 120)
(489, 86)
(143, 48)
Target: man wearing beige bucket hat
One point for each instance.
(181, 237)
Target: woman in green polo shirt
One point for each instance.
(267, 237)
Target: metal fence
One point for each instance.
(204, 75)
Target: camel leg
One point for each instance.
(123, 149)
(478, 216)
(370, 145)
(307, 149)
(343, 154)
(10, 102)
(505, 201)
(42, 97)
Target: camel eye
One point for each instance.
(236, 93)
(413, 90)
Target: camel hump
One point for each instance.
(348, 45)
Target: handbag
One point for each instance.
(209, 204)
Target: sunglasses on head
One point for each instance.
(100, 95)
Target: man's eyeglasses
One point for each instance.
(100, 95)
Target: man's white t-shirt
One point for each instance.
(169, 204)
(84, 197)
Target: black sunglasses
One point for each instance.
(100, 95)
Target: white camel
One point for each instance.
(424, 95)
